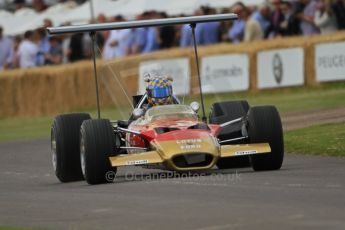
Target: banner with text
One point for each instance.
(225, 73)
(330, 61)
(177, 68)
(280, 68)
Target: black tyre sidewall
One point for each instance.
(99, 143)
(226, 111)
(264, 126)
(65, 130)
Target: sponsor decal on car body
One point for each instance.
(138, 162)
(247, 152)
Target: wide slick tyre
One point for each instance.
(65, 146)
(97, 143)
(222, 112)
(264, 126)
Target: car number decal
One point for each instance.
(138, 162)
(246, 152)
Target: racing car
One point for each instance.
(172, 136)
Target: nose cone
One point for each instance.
(188, 149)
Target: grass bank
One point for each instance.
(286, 100)
(326, 139)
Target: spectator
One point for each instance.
(225, 27)
(339, 11)
(207, 33)
(166, 34)
(17, 40)
(39, 5)
(186, 38)
(76, 48)
(262, 16)
(65, 45)
(138, 40)
(307, 25)
(236, 32)
(324, 17)
(151, 40)
(277, 17)
(19, 4)
(87, 45)
(43, 44)
(138, 36)
(287, 18)
(253, 30)
(123, 43)
(290, 24)
(6, 51)
(111, 41)
(28, 50)
(54, 56)
(101, 36)
(151, 37)
(117, 44)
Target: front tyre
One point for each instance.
(264, 126)
(97, 143)
(65, 146)
(222, 112)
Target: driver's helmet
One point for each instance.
(159, 90)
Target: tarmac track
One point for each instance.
(307, 193)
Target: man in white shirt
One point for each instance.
(118, 42)
(28, 50)
(123, 42)
(109, 49)
(6, 51)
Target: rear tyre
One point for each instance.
(65, 146)
(264, 126)
(226, 111)
(97, 143)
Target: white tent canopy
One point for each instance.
(27, 19)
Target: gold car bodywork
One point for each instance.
(183, 142)
(165, 151)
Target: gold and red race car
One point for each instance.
(171, 136)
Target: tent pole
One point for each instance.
(92, 11)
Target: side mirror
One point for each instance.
(195, 106)
(137, 113)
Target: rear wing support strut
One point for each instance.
(93, 50)
(193, 25)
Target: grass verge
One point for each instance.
(34, 128)
(326, 139)
(286, 100)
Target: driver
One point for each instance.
(159, 91)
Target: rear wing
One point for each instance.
(140, 23)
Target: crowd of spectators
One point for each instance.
(271, 19)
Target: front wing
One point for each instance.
(153, 157)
